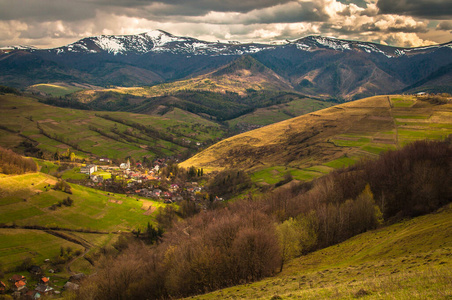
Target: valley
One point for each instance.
(164, 167)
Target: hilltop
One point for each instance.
(232, 91)
(331, 137)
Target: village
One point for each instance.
(159, 180)
(36, 285)
(162, 180)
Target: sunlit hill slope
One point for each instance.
(347, 132)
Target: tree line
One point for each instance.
(12, 163)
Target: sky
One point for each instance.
(54, 23)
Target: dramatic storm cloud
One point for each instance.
(51, 23)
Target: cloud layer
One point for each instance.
(52, 23)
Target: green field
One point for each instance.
(27, 199)
(281, 112)
(408, 260)
(103, 134)
(277, 174)
(18, 244)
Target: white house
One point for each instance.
(88, 169)
(125, 165)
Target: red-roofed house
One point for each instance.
(45, 280)
(16, 278)
(19, 285)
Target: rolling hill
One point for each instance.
(310, 145)
(29, 126)
(226, 93)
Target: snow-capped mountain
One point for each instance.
(157, 41)
(314, 65)
(17, 47)
(311, 43)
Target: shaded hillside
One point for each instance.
(227, 93)
(438, 81)
(348, 131)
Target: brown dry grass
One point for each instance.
(308, 140)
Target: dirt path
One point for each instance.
(73, 239)
(395, 124)
(68, 236)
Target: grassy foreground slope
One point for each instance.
(311, 145)
(408, 260)
(109, 134)
(25, 202)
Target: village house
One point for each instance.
(176, 198)
(96, 179)
(44, 289)
(32, 295)
(173, 188)
(106, 160)
(16, 278)
(70, 286)
(88, 169)
(157, 192)
(125, 166)
(44, 280)
(19, 286)
(2, 287)
(35, 270)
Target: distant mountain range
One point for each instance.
(314, 65)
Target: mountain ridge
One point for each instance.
(155, 40)
(313, 65)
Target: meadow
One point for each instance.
(25, 202)
(55, 89)
(106, 134)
